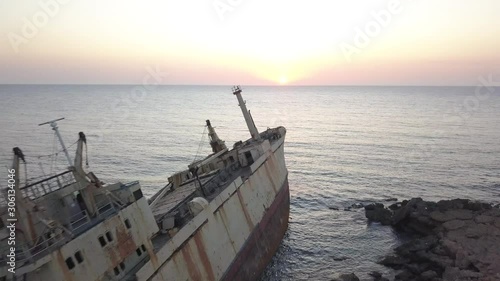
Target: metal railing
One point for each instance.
(271, 134)
(105, 208)
(48, 185)
(79, 221)
(43, 247)
(82, 221)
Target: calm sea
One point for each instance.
(344, 145)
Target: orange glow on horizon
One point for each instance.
(258, 42)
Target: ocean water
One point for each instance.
(344, 145)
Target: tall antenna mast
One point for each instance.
(53, 124)
(246, 114)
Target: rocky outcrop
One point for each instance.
(377, 212)
(346, 277)
(456, 240)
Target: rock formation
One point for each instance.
(455, 240)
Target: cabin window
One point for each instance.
(79, 257)
(249, 157)
(109, 236)
(127, 224)
(102, 241)
(70, 263)
(116, 270)
(122, 266)
(143, 248)
(139, 252)
(138, 194)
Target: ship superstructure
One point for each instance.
(222, 218)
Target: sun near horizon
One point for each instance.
(250, 42)
(283, 80)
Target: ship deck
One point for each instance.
(172, 199)
(167, 202)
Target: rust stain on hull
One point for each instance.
(223, 215)
(115, 260)
(243, 207)
(126, 244)
(192, 268)
(204, 257)
(152, 255)
(124, 247)
(62, 265)
(263, 241)
(268, 174)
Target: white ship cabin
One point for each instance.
(71, 227)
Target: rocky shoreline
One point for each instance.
(451, 240)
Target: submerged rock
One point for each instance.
(346, 277)
(395, 206)
(393, 261)
(357, 206)
(375, 274)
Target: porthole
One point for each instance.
(109, 236)
(79, 257)
(127, 224)
(70, 263)
(102, 241)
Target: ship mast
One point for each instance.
(24, 215)
(82, 140)
(53, 124)
(246, 113)
(215, 142)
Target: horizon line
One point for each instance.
(231, 85)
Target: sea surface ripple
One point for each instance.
(344, 145)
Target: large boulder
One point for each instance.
(405, 211)
(415, 245)
(346, 277)
(393, 261)
(377, 213)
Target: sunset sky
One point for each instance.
(320, 42)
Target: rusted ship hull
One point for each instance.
(236, 235)
(264, 240)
